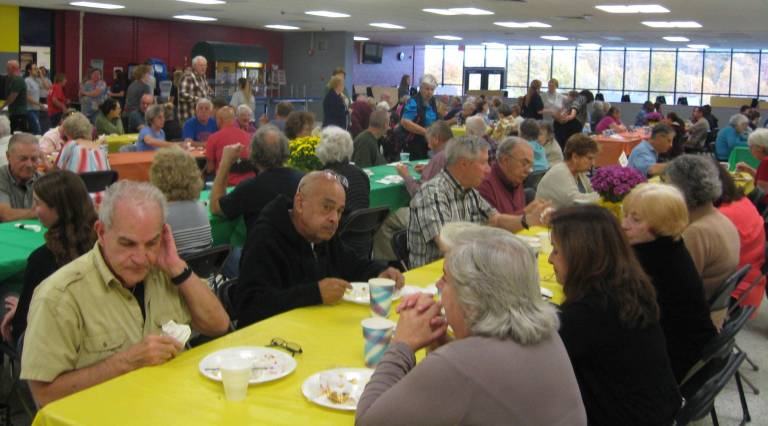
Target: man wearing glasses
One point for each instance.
(293, 258)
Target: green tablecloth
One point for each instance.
(742, 154)
(17, 245)
(224, 231)
(394, 195)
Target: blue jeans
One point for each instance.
(33, 122)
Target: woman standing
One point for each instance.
(138, 88)
(92, 94)
(573, 117)
(57, 102)
(404, 89)
(609, 322)
(418, 114)
(532, 105)
(244, 95)
(334, 107)
(62, 205)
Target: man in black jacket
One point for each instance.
(292, 257)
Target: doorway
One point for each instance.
(484, 79)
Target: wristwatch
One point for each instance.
(524, 222)
(179, 279)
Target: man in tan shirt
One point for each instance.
(101, 315)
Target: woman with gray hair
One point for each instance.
(732, 136)
(335, 151)
(418, 114)
(81, 154)
(758, 146)
(505, 359)
(710, 237)
(152, 136)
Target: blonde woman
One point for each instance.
(334, 107)
(655, 216)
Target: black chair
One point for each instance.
(18, 387)
(201, 163)
(242, 166)
(600, 97)
(722, 297)
(532, 181)
(702, 401)
(225, 294)
(661, 99)
(625, 98)
(756, 197)
(530, 195)
(682, 100)
(98, 181)
(400, 248)
(207, 263)
(357, 230)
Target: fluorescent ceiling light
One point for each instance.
(97, 5)
(555, 38)
(494, 45)
(590, 45)
(360, 38)
(632, 8)
(613, 38)
(698, 46)
(510, 24)
(448, 37)
(195, 18)
(672, 24)
(455, 11)
(327, 14)
(204, 1)
(680, 39)
(281, 27)
(387, 26)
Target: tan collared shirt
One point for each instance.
(82, 314)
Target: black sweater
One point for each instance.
(684, 315)
(623, 374)
(40, 265)
(280, 270)
(334, 110)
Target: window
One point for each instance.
(562, 67)
(611, 69)
(744, 74)
(662, 71)
(453, 66)
(474, 56)
(586, 68)
(450, 90)
(515, 92)
(517, 67)
(764, 76)
(541, 58)
(689, 69)
(495, 57)
(433, 61)
(717, 72)
(637, 71)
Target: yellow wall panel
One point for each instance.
(9, 28)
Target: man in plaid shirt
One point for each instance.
(193, 86)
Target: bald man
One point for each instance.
(293, 257)
(229, 133)
(16, 97)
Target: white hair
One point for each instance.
(496, 282)
(758, 138)
(382, 106)
(203, 101)
(136, 193)
(475, 126)
(5, 126)
(244, 108)
(428, 80)
(737, 119)
(468, 147)
(335, 145)
(198, 58)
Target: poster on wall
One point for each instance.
(98, 64)
(26, 58)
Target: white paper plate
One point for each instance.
(408, 290)
(356, 379)
(272, 363)
(359, 294)
(546, 292)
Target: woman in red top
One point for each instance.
(743, 214)
(758, 146)
(57, 102)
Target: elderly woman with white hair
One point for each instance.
(5, 137)
(245, 119)
(732, 136)
(711, 238)
(419, 113)
(335, 152)
(758, 146)
(506, 357)
(476, 126)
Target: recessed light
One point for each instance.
(590, 45)
(448, 37)
(698, 46)
(613, 38)
(387, 26)
(360, 38)
(455, 11)
(632, 8)
(327, 14)
(97, 5)
(204, 1)
(494, 45)
(677, 39)
(510, 24)
(672, 24)
(555, 38)
(281, 27)
(195, 18)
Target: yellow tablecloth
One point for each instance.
(743, 180)
(458, 130)
(175, 393)
(115, 142)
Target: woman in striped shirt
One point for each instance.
(81, 154)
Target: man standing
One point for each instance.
(136, 119)
(452, 196)
(229, 134)
(101, 315)
(192, 88)
(197, 129)
(18, 177)
(294, 258)
(645, 156)
(16, 97)
(698, 133)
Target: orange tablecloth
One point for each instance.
(611, 148)
(135, 165)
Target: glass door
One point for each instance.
(483, 78)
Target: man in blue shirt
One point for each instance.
(197, 129)
(645, 156)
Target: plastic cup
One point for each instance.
(536, 248)
(377, 333)
(235, 375)
(381, 291)
(405, 157)
(546, 243)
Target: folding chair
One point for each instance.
(358, 229)
(400, 248)
(98, 181)
(207, 263)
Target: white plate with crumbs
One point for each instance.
(268, 364)
(360, 295)
(339, 389)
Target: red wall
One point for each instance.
(122, 40)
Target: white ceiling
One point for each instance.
(726, 24)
